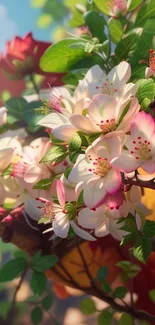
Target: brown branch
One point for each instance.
(134, 313)
(140, 183)
(14, 228)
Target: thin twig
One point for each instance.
(14, 299)
(140, 183)
(134, 313)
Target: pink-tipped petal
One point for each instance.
(60, 193)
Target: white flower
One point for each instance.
(95, 170)
(98, 221)
(69, 115)
(9, 148)
(60, 218)
(140, 145)
(104, 114)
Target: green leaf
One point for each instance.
(134, 4)
(103, 6)
(59, 57)
(75, 143)
(147, 11)
(36, 315)
(105, 318)
(73, 157)
(142, 248)
(21, 254)
(149, 228)
(125, 111)
(106, 48)
(12, 269)
(43, 220)
(41, 263)
(131, 270)
(87, 306)
(44, 184)
(152, 295)
(145, 89)
(128, 238)
(32, 115)
(145, 105)
(106, 287)
(67, 171)
(96, 24)
(15, 107)
(125, 319)
(80, 200)
(102, 273)
(127, 45)
(7, 171)
(71, 210)
(55, 154)
(129, 223)
(38, 283)
(55, 141)
(77, 19)
(47, 302)
(115, 30)
(120, 292)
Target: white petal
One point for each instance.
(80, 171)
(31, 208)
(53, 120)
(94, 193)
(112, 181)
(64, 132)
(126, 163)
(84, 123)
(101, 230)
(90, 219)
(102, 107)
(120, 74)
(142, 125)
(82, 233)
(61, 225)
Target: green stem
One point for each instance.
(34, 84)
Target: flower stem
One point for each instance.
(34, 84)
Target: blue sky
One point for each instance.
(17, 17)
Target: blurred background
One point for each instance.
(48, 20)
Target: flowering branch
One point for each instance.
(138, 182)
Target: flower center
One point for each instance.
(48, 211)
(107, 87)
(55, 102)
(101, 166)
(107, 126)
(142, 149)
(18, 169)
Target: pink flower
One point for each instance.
(96, 172)
(140, 145)
(59, 216)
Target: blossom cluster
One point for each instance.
(72, 180)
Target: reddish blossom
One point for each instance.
(22, 57)
(13, 87)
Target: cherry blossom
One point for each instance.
(140, 145)
(104, 115)
(95, 170)
(9, 148)
(58, 215)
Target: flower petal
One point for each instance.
(126, 163)
(112, 181)
(94, 193)
(82, 233)
(64, 132)
(61, 225)
(90, 219)
(60, 193)
(53, 120)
